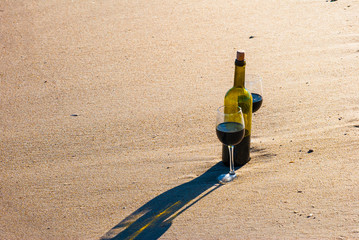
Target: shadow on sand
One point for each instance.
(154, 218)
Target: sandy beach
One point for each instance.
(107, 119)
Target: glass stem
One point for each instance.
(231, 162)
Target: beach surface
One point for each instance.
(107, 119)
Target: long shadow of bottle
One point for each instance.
(154, 218)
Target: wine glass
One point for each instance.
(253, 84)
(230, 131)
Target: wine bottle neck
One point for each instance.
(239, 73)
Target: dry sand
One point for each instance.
(107, 113)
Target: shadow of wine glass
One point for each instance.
(154, 218)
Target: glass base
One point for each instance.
(225, 178)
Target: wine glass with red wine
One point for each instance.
(253, 84)
(230, 131)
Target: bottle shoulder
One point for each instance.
(235, 91)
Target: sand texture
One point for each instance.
(107, 119)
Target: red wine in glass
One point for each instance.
(257, 101)
(230, 133)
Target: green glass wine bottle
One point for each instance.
(238, 95)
